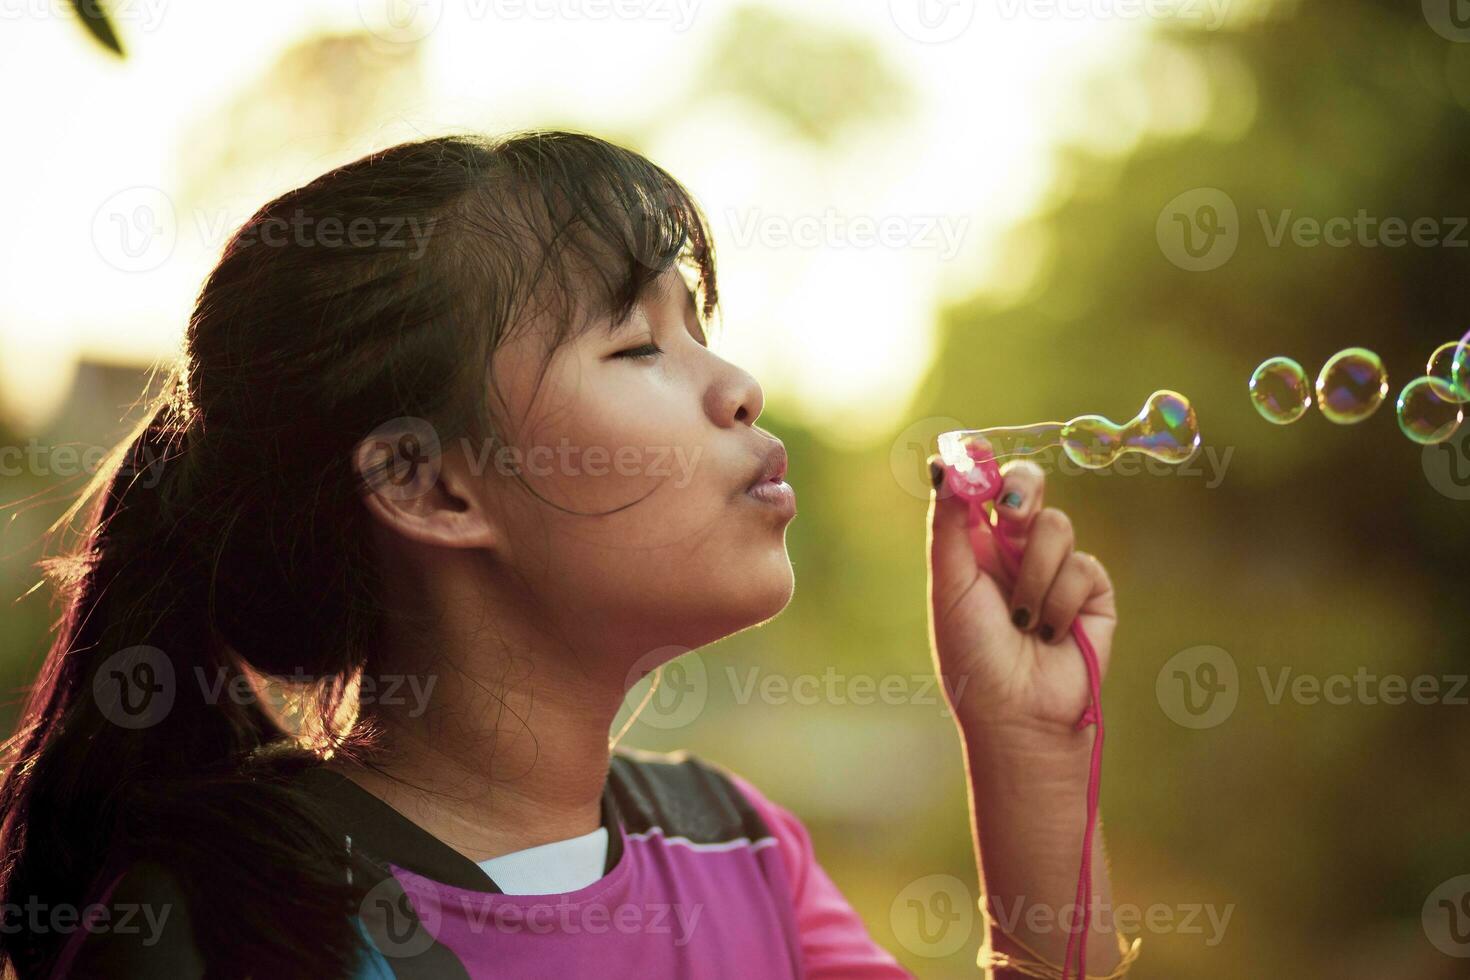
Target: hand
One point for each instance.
(1003, 644)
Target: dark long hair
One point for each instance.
(226, 541)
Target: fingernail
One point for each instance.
(1020, 617)
(936, 473)
(1011, 500)
(1047, 633)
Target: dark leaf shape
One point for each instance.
(97, 23)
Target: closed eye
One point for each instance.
(641, 352)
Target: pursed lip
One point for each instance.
(772, 466)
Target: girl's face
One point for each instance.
(642, 447)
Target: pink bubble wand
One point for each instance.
(1166, 429)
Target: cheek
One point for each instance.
(621, 539)
(649, 558)
(627, 463)
(638, 585)
(597, 444)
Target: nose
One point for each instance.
(733, 396)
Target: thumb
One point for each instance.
(958, 564)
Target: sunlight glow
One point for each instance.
(835, 258)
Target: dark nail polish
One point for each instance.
(1047, 633)
(1020, 617)
(936, 474)
(1011, 500)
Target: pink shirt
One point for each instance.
(707, 879)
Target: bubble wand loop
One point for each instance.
(1166, 429)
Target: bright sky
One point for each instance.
(833, 263)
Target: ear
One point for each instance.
(413, 489)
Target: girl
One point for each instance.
(448, 426)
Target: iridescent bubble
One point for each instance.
(1280, 390)
(1460, 371)
(1450, 363)
(1351, 385)
(1427, 411)
(1165, 429)
(1092, 441)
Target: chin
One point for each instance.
(768, 590)
(729, 598)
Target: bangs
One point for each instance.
(592, 226)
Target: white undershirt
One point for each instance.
(550, 869)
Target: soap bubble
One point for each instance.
(1092, 441)
(1450, 363)
(1351, 385)
(1460, 370)
(1165, 429)
(1428, 412)
(1280, 390)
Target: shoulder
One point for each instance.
(689, 796)
(706, 802)
(139, 927)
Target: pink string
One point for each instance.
(1091, 716)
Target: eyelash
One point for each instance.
(641, 352)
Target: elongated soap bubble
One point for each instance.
(1351, 385)
(1428, 412)
(1450, 363)
(1280, 390)
(1165, 429)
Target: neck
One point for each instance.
(505, 744)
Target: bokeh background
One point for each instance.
(928, 215)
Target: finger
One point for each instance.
(1048, 546)
(1080, 578)
(954, 564)
(1023, 488)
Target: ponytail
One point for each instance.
(134, 745)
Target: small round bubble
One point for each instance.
(1280, 390)
(1351, 385)
(1460, 369)
(1427, 412)
(1450, 363)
